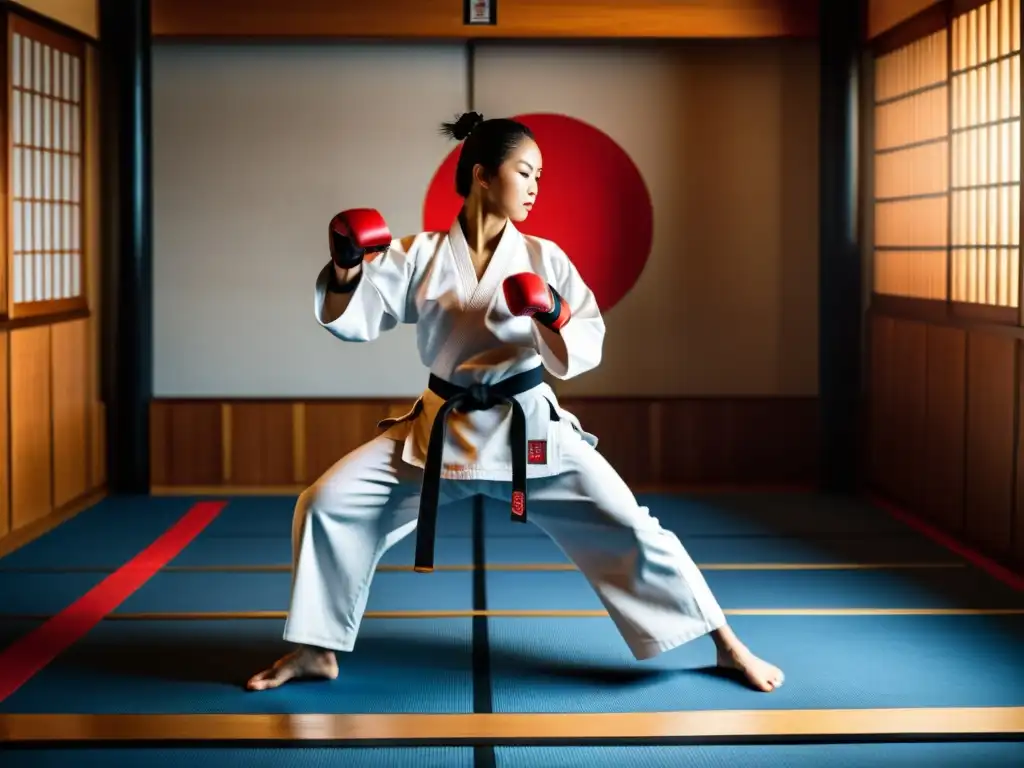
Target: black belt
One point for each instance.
(476, 397)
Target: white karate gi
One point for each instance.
(369, 500)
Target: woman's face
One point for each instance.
(513, 190)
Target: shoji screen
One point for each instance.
(986, 154)
(911, 169)
(45, 129)
(947, 160)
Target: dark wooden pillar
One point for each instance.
(127, 240)
(840, 258)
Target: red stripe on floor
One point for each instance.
(975, 558)
(29, 654)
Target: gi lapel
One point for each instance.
(497, 269)
(463, 263)
(476, 295)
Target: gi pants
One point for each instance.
(369, 501)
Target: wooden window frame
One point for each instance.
(936, 17)
(75, 46)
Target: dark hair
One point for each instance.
(487, 142)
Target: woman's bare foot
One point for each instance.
(301, 663)
(758, 672)
(735, 656)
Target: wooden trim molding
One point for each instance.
(51, 318)
(522, 19)
(892, 25)
(88, 32)
(700, 726)
(949, 314)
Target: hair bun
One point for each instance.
(464, 126)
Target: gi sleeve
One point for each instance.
(576, 348)
(379, 301)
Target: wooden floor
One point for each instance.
(663, 727)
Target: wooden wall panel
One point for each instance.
(48, 423)
(910, 389)
(898, 420)
(186, 443)
(882, 449)
(333, 429)
(1017, 555)
(717, 441)
(629, 433)
(262, 449)
(5, 483)
(439, 19)
(943, 411)
(943, 475)
(30, 420)
(991, 381)
(71, 410)
(286, 445)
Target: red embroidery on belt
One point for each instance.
(518, 502)
(537, 452)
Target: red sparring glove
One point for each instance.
(528, 295)
(356, 232)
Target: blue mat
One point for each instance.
(262, 516)
(754, 549)
(390, 591)
(982, 755)
(762, 514)
(954, 588)
(108, 534)
(209, 550)
(537, 665)
(200, 667)
(514, 590)
(189, 591)
(43, 593)
(277, 550)
(583, 665)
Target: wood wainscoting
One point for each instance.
(51, 422)
(283, 445)
(944, 412)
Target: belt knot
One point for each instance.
(479, 397)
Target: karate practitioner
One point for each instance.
(493, 309)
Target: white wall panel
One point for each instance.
(255, 149)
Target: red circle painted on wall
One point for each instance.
(592, 202)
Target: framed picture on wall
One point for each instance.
(477, 12)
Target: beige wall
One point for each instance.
(725, 136)
(257, 146)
